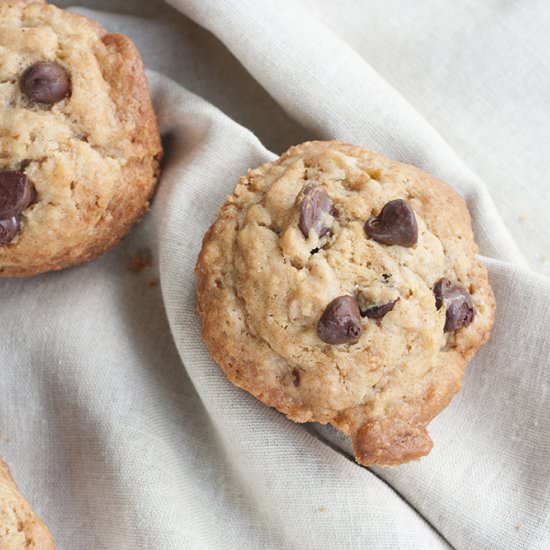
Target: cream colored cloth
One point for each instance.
(117, 425)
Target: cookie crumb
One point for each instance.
(522, 218)
(153, 283)
(519, 526)
(140, 261)
(322, 509)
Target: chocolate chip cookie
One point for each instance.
(79, 142)
(341, 287)
(20, 527)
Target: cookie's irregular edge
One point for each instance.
(16, 511)
(131, 95)
(22, 2)
(392, 440)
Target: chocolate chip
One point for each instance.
(8, 230)
(16, 193)
(341, 321)
(377, 312)
(396, 224)
(460, 310)
(315, 205)
(45, 82)
(296, 377)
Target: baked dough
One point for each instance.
(323, 316)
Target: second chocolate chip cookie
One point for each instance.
(79, 141)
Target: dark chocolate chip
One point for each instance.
(46, 82)
(8, 230)
(459, 308)
(16, 193)
(296, 377)
(377, 312)
(396, 224)
(341, 321)
(315, 204)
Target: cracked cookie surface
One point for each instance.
(266, 287)
(89, 142)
